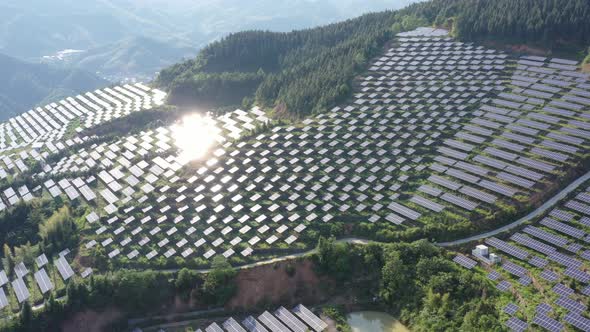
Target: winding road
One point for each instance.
(537, 212)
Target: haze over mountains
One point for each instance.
(133, 39)
(174, 26)
(25, 85)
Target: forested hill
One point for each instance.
(311, 70)
(25, 85)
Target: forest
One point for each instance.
(416, 282)
(309, 71)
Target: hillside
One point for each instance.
(25, 85)
(387, 148)
(310, 70)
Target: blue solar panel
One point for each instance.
(525, 281)
(578, 321)
(549, 275)
(511, 309)
(507, 248)
(466, 262)
(538, 262)
(586, 291)
(565, 260)
(503, 286)
(562, 290)
(543, 308)
(546, 236)
(580, 276)
(532, 243)
(514, 269)
(494, 275)
(516, 325)
(548, 323)
(570, 305)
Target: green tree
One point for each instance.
(218, 286)
(8, 259)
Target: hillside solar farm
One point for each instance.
(543, 271)
(438, 134)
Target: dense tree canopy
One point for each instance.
(307, 71)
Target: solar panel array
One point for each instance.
(299, 319)
(558, 247)
(44, 279)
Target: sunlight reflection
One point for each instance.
(194, 136)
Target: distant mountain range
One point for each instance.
(136, 38)
(25, 85)
(135, 57)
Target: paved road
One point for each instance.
(280, 258)
(537, 212)
(540, 210)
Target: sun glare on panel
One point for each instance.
(194, 136)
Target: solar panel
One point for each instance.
(290, 320)
(214, 328)
(272, 322)
(64, 268)
(549, 275)
(21, 290)
(503, 286)
(494, 275)
(253, 325)
(578, 321)
(507, 248)
(548, 323)
(466, 262)
(511, 309)
(546, 236)
(561, 289)
(43, 281)
(310, 318)
(514, 269)
(3, 299)
(571, 305)
(516, 325)
(532, 243)
(578, 275)
(231, 325)
(543, 308)
(563, 228)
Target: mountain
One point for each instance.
(37, 27)
(310, 70)
(138, 57)
(25, 85)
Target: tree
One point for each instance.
(8, 259)
(59, 231)
(218, 286)
(26, 317)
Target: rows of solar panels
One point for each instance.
(263, 192)
(34, 136)
(300, 319)
(20, 285)
(519, 142)
(555, 252)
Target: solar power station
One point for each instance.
(554, 250)
(299, 319)
(436, 127)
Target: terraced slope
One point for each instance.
(544, 269)
(441, 138)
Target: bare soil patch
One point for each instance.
(271, 284)
(91, 321)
